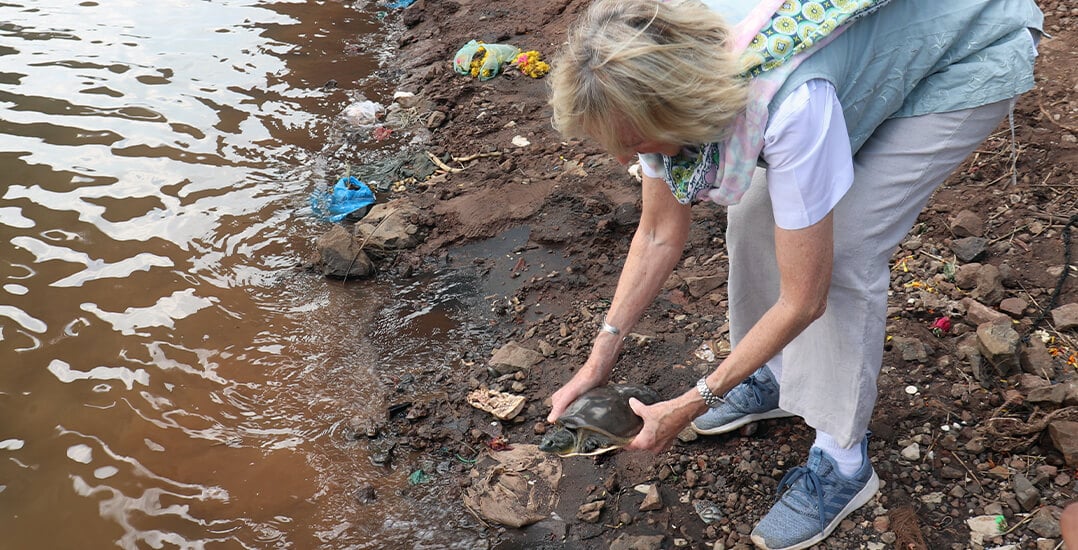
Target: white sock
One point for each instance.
(848, 460)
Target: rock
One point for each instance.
(701, 286)
(625, 541)
(981, 527)
(967, 224)
(911, 452)
(950, 472)
(989, 287)
(688, 435)
(590, 512)
(1064, 436)
(380, 451)
(337, 254)
(1051, 395)
(1045, 522)
(1065, 317)
(968, 249)
(365, 494)
(1009, 275)
(513, 357)
(965, 275)
(967, 349)
(652, 500)
(978, 313)
(1027, 495)
(390, 226)
(1029, 382)
(436, 119)
(911, 349)
(1035, 359)
(1015, 307)
(998, 344)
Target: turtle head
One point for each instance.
(558, 440)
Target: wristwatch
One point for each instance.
(710, 398)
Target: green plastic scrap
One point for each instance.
(417, 477)
(491, 57)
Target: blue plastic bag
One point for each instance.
(347, 196)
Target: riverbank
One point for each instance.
(955, 438)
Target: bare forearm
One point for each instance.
(655, 250)
(650, 261)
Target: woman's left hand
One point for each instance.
(662, 422)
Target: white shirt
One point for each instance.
(807, 151)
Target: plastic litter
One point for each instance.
(347, 196)
(396, 4)
(418, 477)
(362, 113)
(483, 61)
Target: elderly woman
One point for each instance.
(858, 110)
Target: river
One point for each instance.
(169, 378)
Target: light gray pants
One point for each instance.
(829, 372)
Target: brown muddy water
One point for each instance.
(168, 377)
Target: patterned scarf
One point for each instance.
(770, 36)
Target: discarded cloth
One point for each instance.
(514, 487)
(347, 196)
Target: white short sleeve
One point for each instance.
(807, 150)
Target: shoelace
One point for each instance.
(813, 483)
(754, 385)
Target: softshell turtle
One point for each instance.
(598, 421)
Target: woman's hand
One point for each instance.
(584, 380)
(663, 421)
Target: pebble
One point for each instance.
(911, 452)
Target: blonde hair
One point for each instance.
(661, 69)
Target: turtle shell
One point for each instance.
(603, 414)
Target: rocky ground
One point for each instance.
(975, 436)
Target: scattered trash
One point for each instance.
(417, 477)
(521, 141)
(941, 326)
(483, 61)
(912, 390)
(380, 133)
(513, 488)
(529, 63)
(363, 113)
(708, 511)
(504, 406)
(499, 444)
(399, 4)
(348, 196)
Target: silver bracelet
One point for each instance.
(607, 327)
(710, 399)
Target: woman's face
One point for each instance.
(636, 144)
(648, 146)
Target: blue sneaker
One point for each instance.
(816, 498)
(757, 398)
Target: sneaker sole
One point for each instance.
(860, 499)
(747, 419)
